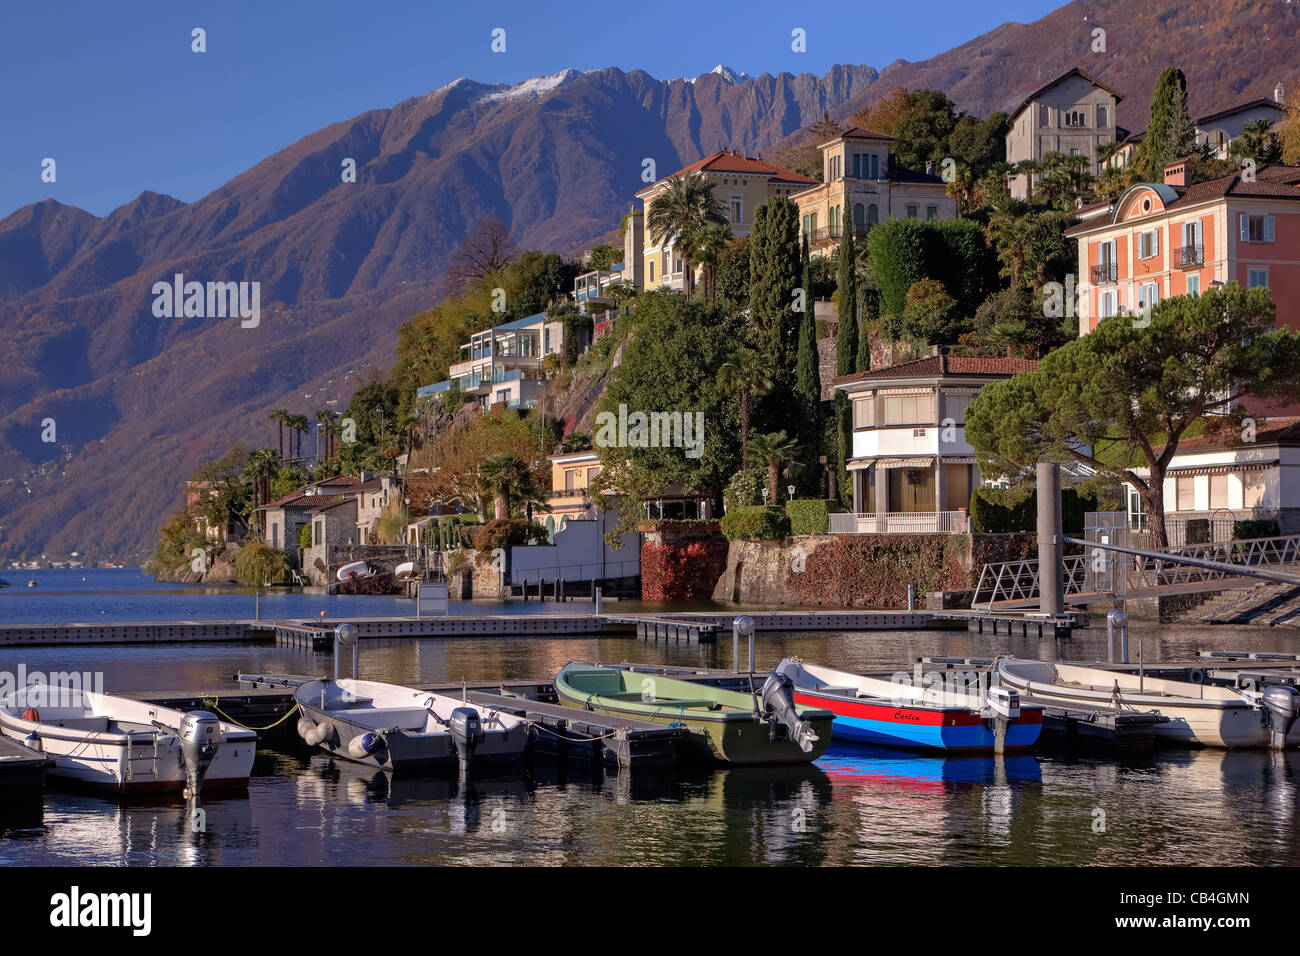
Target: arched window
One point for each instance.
(859, 214)
(550, 529)
(873, 215)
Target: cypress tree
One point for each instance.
(846, 348)
(774, 278)
(846, 337)
(808, 381)
(1171, 132)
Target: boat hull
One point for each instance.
(922, 728)
(725, 736)
(405, 749)
(1219, 718)
(133, 763)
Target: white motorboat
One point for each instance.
(128, 745)
(395, 727)
(356, 569)
(405, 570)
(1204, 715)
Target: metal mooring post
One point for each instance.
(1051, 584)
(344, 635)
(742, 625)
(1116, 620)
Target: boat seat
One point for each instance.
(671, 703)
(349, 704)
(410, 718)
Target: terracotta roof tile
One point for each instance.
(1272, 430)
(727, 161)
(933, 366)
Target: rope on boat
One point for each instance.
(212, 703)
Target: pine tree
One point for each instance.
(808, 380)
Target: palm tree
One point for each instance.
(262, 465)
(746, 373)
(777, 449)
(325, 418)
(707, 245)
(504, 476)
(1008, 233)
(281, 416)
(299, 425)
(678, 214)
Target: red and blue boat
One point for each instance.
(939, 715)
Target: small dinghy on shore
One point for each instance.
(406, 571)
(1204, 715)
(128, 745)
(937, 717)
(763, 727)
(400, 728)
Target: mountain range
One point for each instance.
(138, 401)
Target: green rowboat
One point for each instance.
(726, 726)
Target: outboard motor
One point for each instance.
(778, 702)
(466, 733)
(200, 736)
(1281, 707)
(1004, 706)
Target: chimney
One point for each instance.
(1178, 173)
(1277, 94)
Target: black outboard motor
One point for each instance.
(466, 733)
(778, 702)
(1281, 707)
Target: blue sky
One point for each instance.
(113, 93)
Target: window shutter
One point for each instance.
(1245, 228)
(1269, 227)
(1155, 242)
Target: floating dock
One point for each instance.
(565, 733)
(305, 633)
(22, 773)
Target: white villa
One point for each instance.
(504, 364)
(912, 469)
(1230, 480)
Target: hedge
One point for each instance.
(1249, 528)
(756, 522)
(811, 516)
(996, 511)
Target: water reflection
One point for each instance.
(857, 805)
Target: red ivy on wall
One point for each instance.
(686, 572)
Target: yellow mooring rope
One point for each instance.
(212, 702)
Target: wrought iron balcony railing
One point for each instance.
(1106, 272)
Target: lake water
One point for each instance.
(856, 805)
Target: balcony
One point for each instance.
(836, 232)
(1187, 256)
(1106, 272)
(901, 522)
